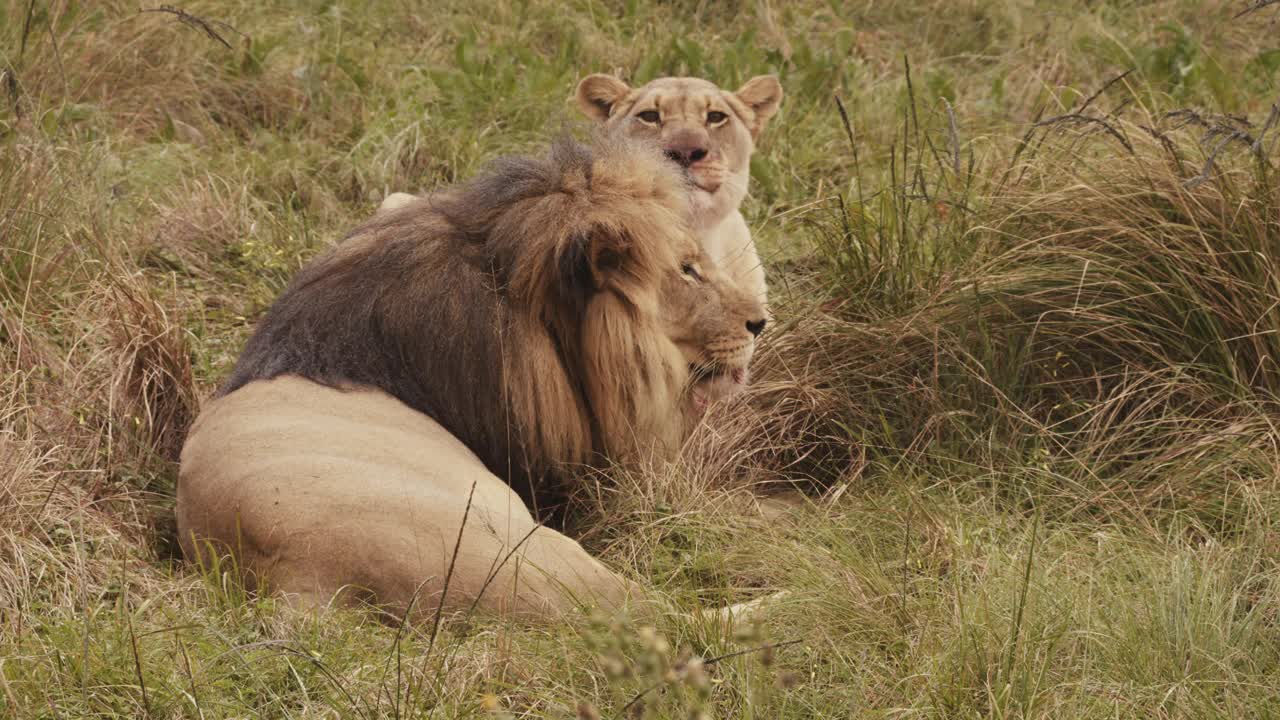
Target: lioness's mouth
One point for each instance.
(695, 182)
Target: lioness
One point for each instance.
(412, 395)
(711, 133)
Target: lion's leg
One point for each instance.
(745, 611)
(537, 575)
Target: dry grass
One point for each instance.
(1012, 445)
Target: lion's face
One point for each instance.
(708, 131)
(714, 324)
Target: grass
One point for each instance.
(1024, 379)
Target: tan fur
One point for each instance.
(684, 108)
(316, 489)
(395, 201)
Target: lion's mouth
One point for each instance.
(705, 373)
(712, 383)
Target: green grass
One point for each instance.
(1022, 395)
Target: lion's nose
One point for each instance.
(755, 327)
(686, 155)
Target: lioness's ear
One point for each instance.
(597, 94)
(762, 94)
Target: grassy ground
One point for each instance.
(1025, 373)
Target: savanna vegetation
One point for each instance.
(1017, 417)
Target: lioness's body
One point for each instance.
(728, 241)
(318, 490)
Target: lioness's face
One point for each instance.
(714, 324)
(708, 131)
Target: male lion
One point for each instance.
(711, 133)
(411, 395)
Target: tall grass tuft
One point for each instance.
(1104, 327)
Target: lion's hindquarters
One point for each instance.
(315, 490)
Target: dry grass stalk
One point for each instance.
(205, 26)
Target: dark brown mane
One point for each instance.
(450, 303)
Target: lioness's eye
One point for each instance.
(690, 270)
(649, 116)
(715, 117)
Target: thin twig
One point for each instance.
(1231, 133)
(1208, 163)
(1254, 8)
(1022, 598)
(710, 661)
(26, 29)
(137, 666)
(324, 670)
(444, 592)
(955, 136)
(844, 120)
(1089, 100)
(1165, 142)
(759, 648)
(847, 227)
(197, 22)
(1077, 118)
(287, 646)
(857, 167)
(906, 568)
(1191, 117)
(57, 55)
(9, 76)
(191, 678)
(493, 572)
(1270, 123)
(1119, 108)
(238, 650)
(495, 567)
(404, 622)
(1020, 148)
(1188, 117)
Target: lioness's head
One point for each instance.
(709, 132)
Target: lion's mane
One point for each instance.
(520, 311)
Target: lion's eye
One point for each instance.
(691, 271)
(649, 116)
(715, 117)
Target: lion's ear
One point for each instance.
(591, 258)
(598, 93)
(607, 250)
(762, 94)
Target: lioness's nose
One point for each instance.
(686, 155)
(755, 327)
